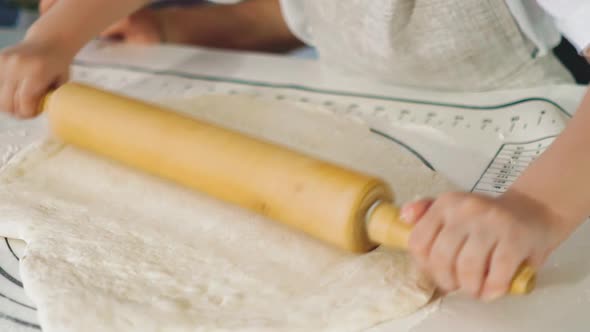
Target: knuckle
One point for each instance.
(513, 233)
(472, 205)
(499, 215)
(20, 61)
(465, 211)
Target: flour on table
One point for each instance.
(112, 249)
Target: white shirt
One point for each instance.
(542, 21)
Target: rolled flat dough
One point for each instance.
(111, 249)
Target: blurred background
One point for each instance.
(17, 13)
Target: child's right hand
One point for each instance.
(28, 71)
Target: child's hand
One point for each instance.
(476, 243)
(28, 71)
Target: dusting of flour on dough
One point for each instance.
(111, 249)
(7, 153)
(15, 135)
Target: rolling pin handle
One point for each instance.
(385, 227)
(524, 280)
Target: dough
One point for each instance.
(112, 249)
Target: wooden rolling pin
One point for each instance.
(345, 208)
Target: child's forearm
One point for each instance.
(477, 243)
(72, 23)
(560, 178)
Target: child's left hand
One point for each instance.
(476, 243)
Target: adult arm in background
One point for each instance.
(255, 25)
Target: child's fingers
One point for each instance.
(504, 263)
(423, 236)
(472, 263)
(29, 96)
(7, 92)
(411, 213)
(443, 257)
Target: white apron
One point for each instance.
(440, 44)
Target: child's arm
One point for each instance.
(476, 243)
(560, 178)
(41, 61)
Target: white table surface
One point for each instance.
(562, 300)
